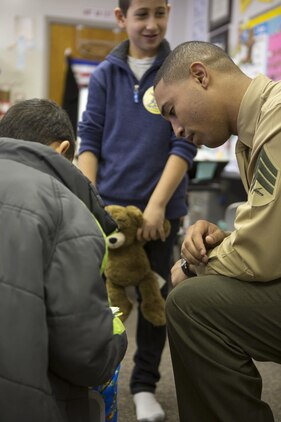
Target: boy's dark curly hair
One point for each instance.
(38, 120)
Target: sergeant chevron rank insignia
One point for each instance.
(266, 176)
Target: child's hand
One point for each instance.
(153, 224)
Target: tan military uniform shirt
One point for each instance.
(253, 250)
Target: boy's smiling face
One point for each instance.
(146, 24)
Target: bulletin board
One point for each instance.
(258, 51)
(259, 47)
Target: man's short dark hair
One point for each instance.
(177, 65)
(38, 120)
(125, 4)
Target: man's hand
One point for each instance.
(177, 274)
(201, 237)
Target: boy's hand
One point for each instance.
(199, 238)
(153, 224)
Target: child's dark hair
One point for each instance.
(125, 4)
(38, 120)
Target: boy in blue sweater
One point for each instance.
(133, 157)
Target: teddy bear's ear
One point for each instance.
(113, 208)
(135, 213)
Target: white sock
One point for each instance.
(147, 407)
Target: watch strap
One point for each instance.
(185, 268)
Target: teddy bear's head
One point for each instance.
(128, 219)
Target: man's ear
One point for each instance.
(62, 147)
(120, 18)
(199, 72)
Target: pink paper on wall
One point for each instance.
(274, 57)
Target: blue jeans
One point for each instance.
(151, 340)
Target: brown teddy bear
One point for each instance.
(128, 265)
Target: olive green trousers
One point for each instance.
(216, 327)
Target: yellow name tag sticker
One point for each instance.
(149, 101)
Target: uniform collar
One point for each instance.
(250, 109)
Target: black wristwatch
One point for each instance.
(185, 268)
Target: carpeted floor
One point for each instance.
(271, 374)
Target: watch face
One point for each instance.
(184, 265)
(185, 268)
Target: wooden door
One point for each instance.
(83, 42)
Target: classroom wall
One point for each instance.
(23, 63)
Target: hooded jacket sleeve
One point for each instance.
(183, 148)
(83, 347)
(91, 128)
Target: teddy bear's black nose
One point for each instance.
(112, 240)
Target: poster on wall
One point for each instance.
(259, 47)
(244, 4)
